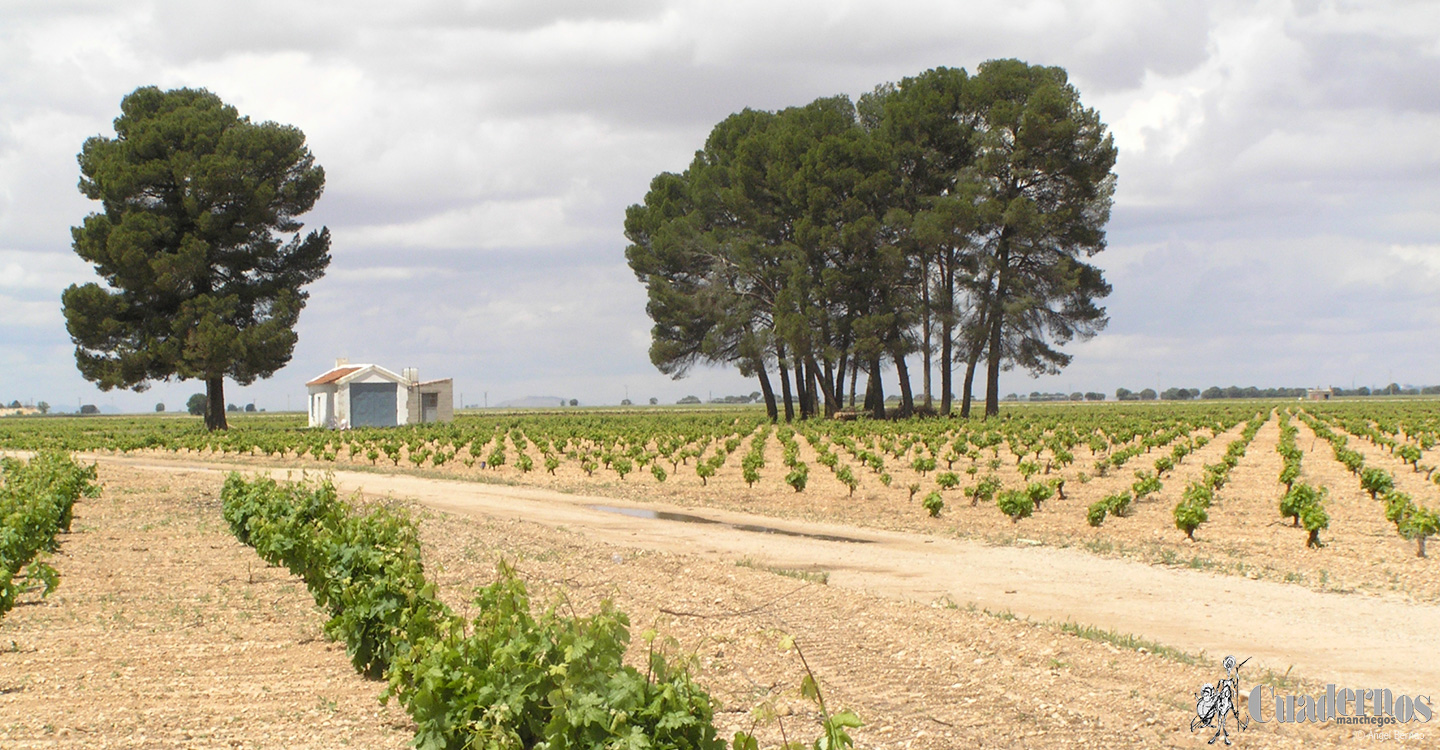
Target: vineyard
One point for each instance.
(1331, 495)
(1334, 497)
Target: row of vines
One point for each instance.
(37, 501)
(508, 678)
(1016, 464)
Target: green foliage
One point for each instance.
(198, 281)
(704, 470)
(1188, 517)
(1216, 475)
(1028, 469)
(1118, 504)
(508, 679)
(1300, 497)
(1289, 473)
(847, 477)
(1199, 494)
(363, 568)
(947, 480)
(1016, 504)
(933, 503)
(984, 490)
(1146, 483)
(1039, 492)
(622, 465)
(798, 476)
(1351, 459)
(658, 472)
(196, 404)
(37, 500)
(1376, 481)
(751, 475)
(939, 159)
(1398, 507)
(1418, 525)
(1095, 515)
(1314, 518)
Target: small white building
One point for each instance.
(363, 395)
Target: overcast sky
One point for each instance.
(1277, 220)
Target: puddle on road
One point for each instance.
(661, 515)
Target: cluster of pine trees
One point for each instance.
(949, 215)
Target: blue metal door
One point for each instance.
(372, 404)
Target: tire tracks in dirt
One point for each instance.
(1354, 640)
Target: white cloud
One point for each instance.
(1275, 213)
(32, 314)
(1419, 259)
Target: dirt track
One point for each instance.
(1355, 640)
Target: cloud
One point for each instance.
(1274, 220)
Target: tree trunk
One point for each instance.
(802, 386)
(785, 384)
(812, 382)
(878, 386)
(947, 372)
(925, 343)
(215, 404)
(997, 320)
(854, 376)
(967, 395)
(770, 411)
(992, 370)
(907, 400)
(947, 344)
(832, 400)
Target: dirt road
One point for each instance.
(1351, 640)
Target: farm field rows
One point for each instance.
(882, 475)
(210, 647)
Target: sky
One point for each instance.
(1276, 221)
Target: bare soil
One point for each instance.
(921, 667)
(166, 632)
(1245, 536)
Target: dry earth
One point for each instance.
(167, 633)
(1245, 536)
(132, 650)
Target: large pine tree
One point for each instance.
(200, 282)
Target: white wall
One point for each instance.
(322, 404)
(337, 398)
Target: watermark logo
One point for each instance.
(1379, 708)
(1215, 704)
(1346, 707)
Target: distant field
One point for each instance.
(1037, 473)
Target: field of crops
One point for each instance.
(1334, 496)
(1338, 495)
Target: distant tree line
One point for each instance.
(948, 215)
(1235, 391)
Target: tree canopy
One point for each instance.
(200, 281)
(946, 212)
